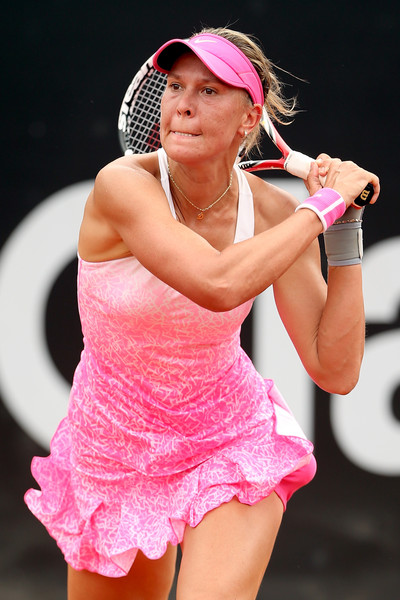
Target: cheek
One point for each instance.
(230, 117)
(163, 109)
(225, 125)
(165, 118)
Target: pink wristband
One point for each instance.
(327, 204)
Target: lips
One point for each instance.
(185, 134)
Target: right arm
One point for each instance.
(132, 203)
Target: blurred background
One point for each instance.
(66, 65)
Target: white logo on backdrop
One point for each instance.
(363, 422)
(37, 251)
(36, 394)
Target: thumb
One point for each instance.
(313, 182)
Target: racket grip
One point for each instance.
(299, 164)
(365, 196)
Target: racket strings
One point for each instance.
(142, 132)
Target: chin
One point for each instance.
(184, 151)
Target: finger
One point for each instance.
(323, 162)
(313, 181)
(327, 164)
(370, 178)
(332, 169)
(323, 156)
(377, 187)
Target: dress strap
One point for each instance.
(162, 162)
(245, 217)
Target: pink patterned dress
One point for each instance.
(167, 419)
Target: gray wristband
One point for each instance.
(343, 240)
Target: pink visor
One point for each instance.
(220, 56)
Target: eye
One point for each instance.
(209, 91)
(174, 86)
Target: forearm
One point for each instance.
(248, 268)
(275, 250)
(341, 332)
(326, 322)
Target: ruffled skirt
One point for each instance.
(101, 516)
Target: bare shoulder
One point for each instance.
(121, 190)
(125, 170)
(124, 186)
(272, 204)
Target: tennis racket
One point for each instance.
(139, 129)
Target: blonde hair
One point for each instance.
(278, 107)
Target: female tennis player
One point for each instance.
(172, 437)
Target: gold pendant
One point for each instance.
(200, 216)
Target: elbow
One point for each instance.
(224, 284)
(219, 296)
(340, 383)
(337, 372)
(342, 388)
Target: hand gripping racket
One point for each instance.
(139, 129)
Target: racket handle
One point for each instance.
(299, 164)
(365, 196)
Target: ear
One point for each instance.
(250, 119)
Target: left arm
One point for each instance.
(325, 321)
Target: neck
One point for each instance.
(201, 208)
(202, 184)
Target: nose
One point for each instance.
(185, 105)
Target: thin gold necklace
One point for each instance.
(200, 216)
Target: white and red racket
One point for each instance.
(139, 129)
